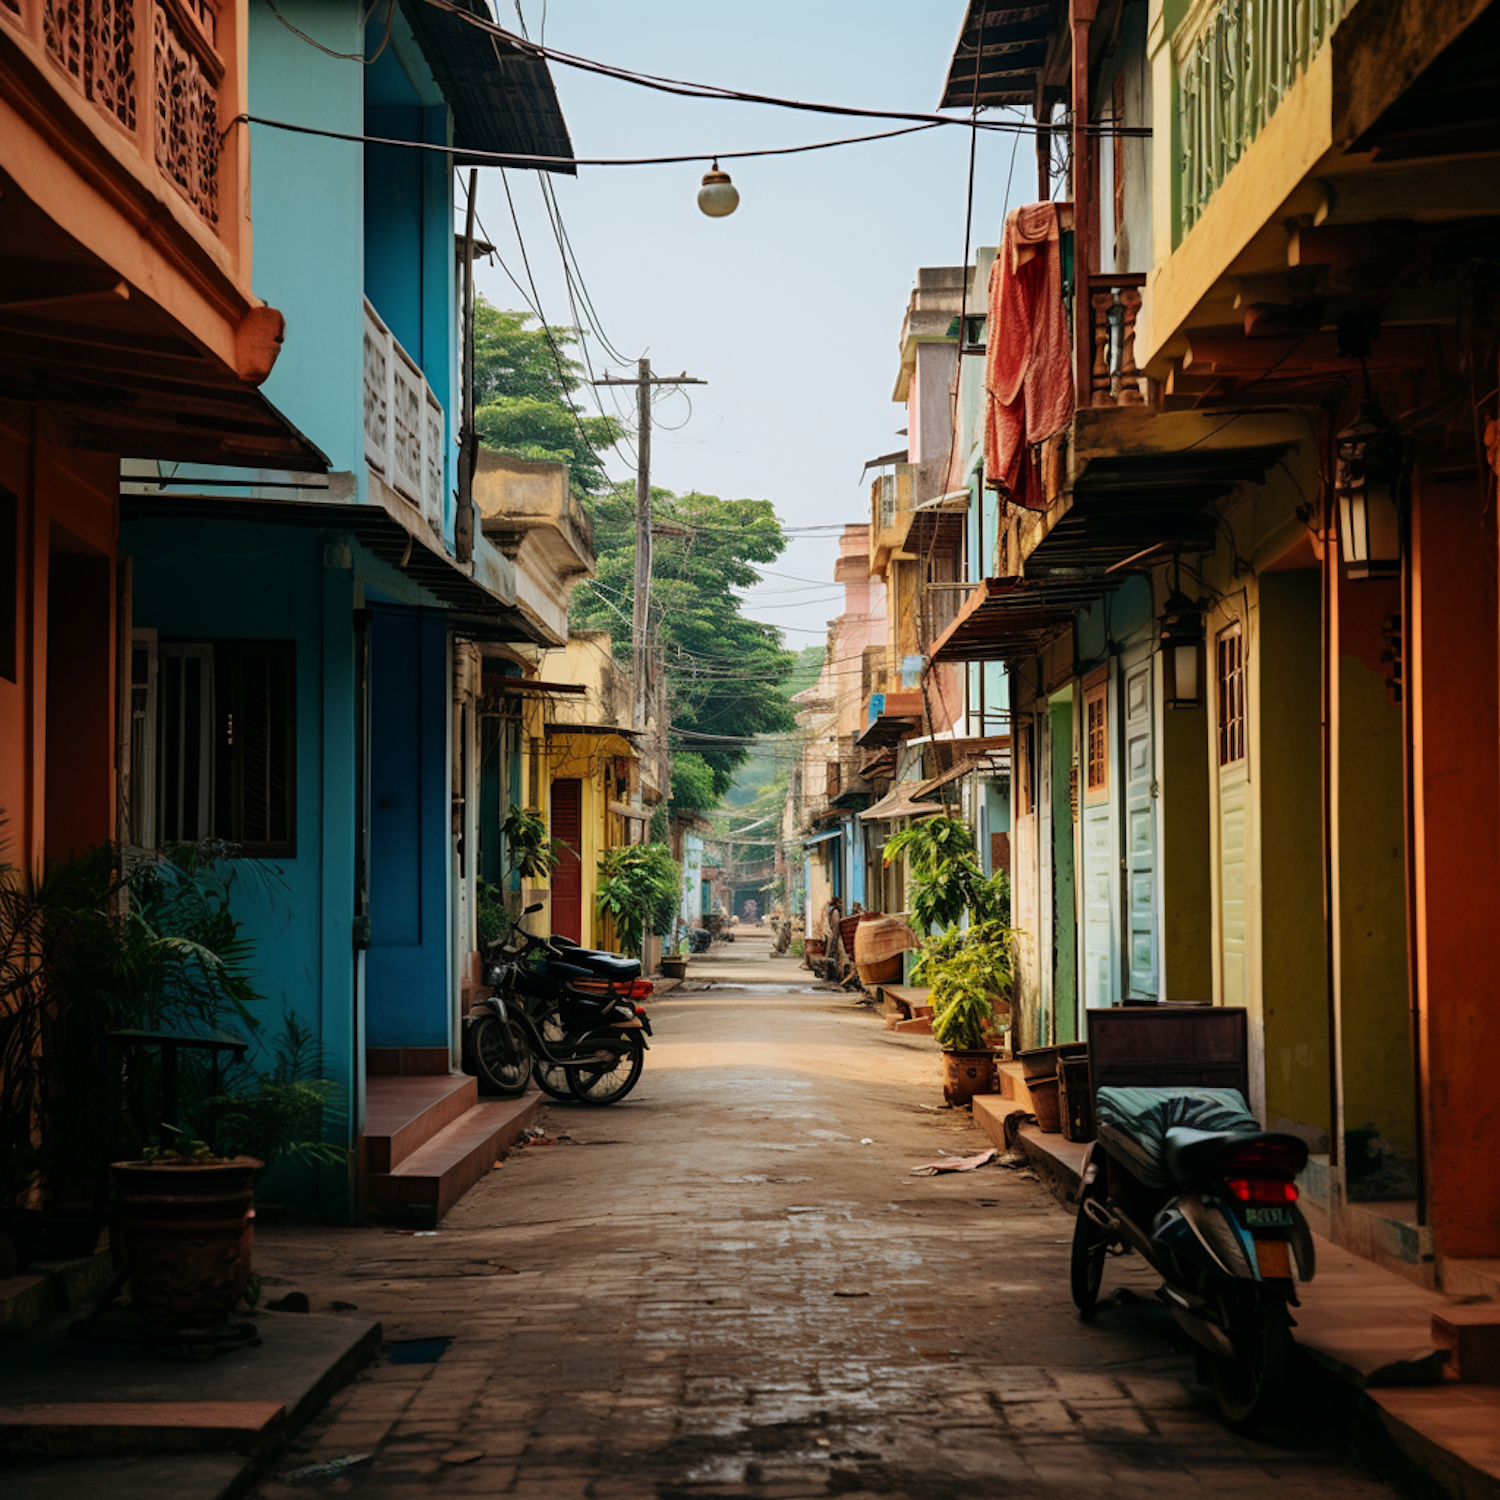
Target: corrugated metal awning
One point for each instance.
(503, 98)
(822, 838)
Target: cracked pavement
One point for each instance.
(715, 1289)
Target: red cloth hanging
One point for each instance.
(1028, 377)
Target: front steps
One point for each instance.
(429, 1138)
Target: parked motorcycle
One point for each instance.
(561, 1015)
(1188, 1179)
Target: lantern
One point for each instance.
(1370, 488)
(1182, 651)
(718, 197)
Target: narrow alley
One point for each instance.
(733, 1285)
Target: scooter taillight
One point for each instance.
(1262, 1189)
(641, 988)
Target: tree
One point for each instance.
(724, 671)
(523, 396)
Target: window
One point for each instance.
(225, 745)
(1230, 656)
(1096, 740)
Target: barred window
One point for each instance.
(1096, 740)
(1231, 694)
(225, 753)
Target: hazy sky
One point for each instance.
(791, 307)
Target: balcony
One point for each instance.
(154, 84)
(1235, 63)
(405, 442)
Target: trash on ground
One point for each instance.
(954, 1164)
(329, 1469)
(849, 1291)
(1011, 1159)
(866, 1140)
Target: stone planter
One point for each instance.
(967, 1072)
(187, 1232)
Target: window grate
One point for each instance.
(1096, 740)
(1230, 654)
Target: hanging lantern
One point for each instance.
(718, 197)
(1182, 651)
(1370, 488)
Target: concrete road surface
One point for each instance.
(731, 1284)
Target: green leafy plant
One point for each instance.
(640, 887)
(529, 850)
(947, 878)
(279, 1114)
(492, 920)
(968, 971)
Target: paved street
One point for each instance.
(732, 1285)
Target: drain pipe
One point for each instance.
(1409, 816)
(463, 522)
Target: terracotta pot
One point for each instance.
(187, 1233)
(966, 1073)
(882, 971)
(1038, 1062)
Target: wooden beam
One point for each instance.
(1221, 354)
(1085, 202)
(1464, 189)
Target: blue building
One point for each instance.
(307, 644)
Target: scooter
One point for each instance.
(560, 1015)
(1187, 1179)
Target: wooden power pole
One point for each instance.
(640, 619)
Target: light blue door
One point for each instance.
(1142, 909)
(1100, 871)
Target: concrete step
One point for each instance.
(428, 1182)
(77, 1428)
(404, 1113)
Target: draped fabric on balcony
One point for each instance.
(1028, 377)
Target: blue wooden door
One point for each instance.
(1142, 908)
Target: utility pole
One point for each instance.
(640, 616)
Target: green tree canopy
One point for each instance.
(524, 385)
(724, 671)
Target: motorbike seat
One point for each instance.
(592, 964)
(1191, 1153)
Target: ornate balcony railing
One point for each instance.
(403, 422)
(1236, 60)
(1114, 305)
(153, 68)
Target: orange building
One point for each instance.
(127, 328)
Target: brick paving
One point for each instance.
(718, 1289)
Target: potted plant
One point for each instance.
(640, 888)
(969, 971)
(674, 964)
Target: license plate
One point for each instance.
(1274, 1259)
(1269, 1217)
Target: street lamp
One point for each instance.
(1182, 651)
(1369, 485)
(718, 197)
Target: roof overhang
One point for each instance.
(503, 98)
(1008, 618)
(901, 803)
(1006, 42)
(822, 838)
(477, 611)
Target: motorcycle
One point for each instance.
(560, 1015)
(1187, 1179)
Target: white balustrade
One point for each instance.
(403, 423)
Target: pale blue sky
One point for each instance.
(790, 308)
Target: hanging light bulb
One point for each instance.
(718, 197)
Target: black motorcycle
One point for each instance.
(1187, 1179)
(561, 1015)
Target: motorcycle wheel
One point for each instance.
(552, 1081)
(1246, 1387)
(609, 1084)
(502, 1060)
(1090, 1247)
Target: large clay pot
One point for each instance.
(187, 1232)
(966, 1073)
(674, 967)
